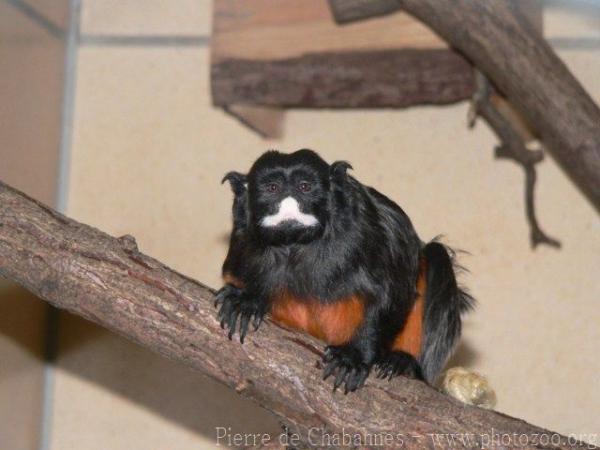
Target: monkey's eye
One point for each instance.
(272, 187)
(304, 186)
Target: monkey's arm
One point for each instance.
(238, 305)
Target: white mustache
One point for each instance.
(289, 209)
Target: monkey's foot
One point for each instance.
(399, 363)
(347, 364)
(236, 307)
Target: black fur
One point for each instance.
(364, 244)
(445, 301)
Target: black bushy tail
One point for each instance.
(445, 301)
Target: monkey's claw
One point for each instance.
(238, 311)
(347, 364)
(399, 363)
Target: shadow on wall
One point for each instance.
(97, 355)
(20, 316)
(165, 387)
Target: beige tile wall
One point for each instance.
(149, 152)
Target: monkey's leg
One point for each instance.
(236, 305)
(398, 362)
(401, 358)
(352, 362)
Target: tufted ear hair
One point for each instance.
(237, 181)
(337, 171)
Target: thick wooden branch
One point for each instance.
(504, 45)
(109, 281)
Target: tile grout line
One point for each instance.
(72, 46)
(62, 189)
(144, 40)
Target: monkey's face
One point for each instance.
(288, 197)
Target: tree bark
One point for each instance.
(501, 43)
(109, 281)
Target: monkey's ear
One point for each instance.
(237, 181)
(337, 170)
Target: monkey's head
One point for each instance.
(288, 195)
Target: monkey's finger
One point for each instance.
(346, 388)
(351, 381)
(223, 315)
(232, 322)
(258, 319)
(245, 320)
(328, 355)
(221, 295)
(329, 369)
(362, 379)
(340, 377)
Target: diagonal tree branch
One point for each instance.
(499, 40)
(109, 281)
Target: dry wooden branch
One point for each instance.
(107, 280)
(360, 79)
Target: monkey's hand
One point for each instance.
(235, 305)
(348, 364)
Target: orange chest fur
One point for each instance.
(334, 323)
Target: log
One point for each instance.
(359, 79)
(109, 281)
(504, 45)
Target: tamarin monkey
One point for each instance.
(323, 253)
